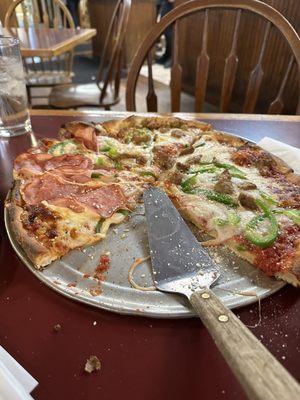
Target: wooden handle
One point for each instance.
(260, 374)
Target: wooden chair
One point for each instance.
(273, 19)
(105, 91)
(43, 14)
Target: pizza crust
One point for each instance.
(36, 252)
(114, 126)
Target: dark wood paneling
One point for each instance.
(142, 17)
(251, 32)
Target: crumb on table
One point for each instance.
(92, 364)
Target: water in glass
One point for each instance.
(14, 116)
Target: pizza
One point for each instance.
(68, 191)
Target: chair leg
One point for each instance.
(28, 95)
(107, 108)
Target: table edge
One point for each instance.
(213, 116)
(66, 45)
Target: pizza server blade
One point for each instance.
(181, 265)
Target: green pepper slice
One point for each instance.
(147, 173)
(219, 197)
(270, 199)
(215, 165)
(215, 196)
(199, 145)
(96, 175)
(203, 169)
(118, 166)
(259, 239)
(220, 221)
(294, 215)
(234, 218)
(111, 151)
(99, 226)
(252, 233)
(187, 185)
(100, 161)
(234, 171)
(124, 212)
(61, 147)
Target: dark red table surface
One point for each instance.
(141, 358)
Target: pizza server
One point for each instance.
(181, 265)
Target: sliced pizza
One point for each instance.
(68, 191)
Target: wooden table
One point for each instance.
(142, 358)
(49, 42)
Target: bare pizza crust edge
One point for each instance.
(35, 251)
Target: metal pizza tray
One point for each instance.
(71, 276)
(127, 242)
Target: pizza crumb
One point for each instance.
(72, 284)
(57, 327)
(102, 268)
(92, 364)
(123, 236)
(95, 291)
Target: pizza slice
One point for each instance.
(244, 199)
(63, 198)
(68, 191)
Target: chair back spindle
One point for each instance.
(202, 68)
(109, 72)
(176, 73)
(256, 76)
(151, 98)
(277, 104)
(230, 68)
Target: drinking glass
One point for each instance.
(14, 116)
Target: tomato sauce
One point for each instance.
(102, 267)
(278, 257)
(246, 157)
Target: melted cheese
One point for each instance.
(84, 224)
(116, 218)
(76, 229)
